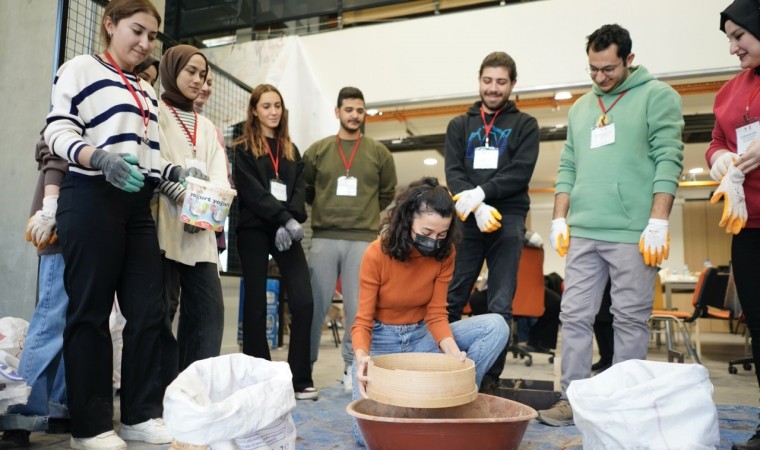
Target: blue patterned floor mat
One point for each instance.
(325, 425)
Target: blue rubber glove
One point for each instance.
(119, 169)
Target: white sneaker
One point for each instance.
(152, 431)
(105, 441)
(348, 383)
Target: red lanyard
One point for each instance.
(490, 125)
(348, 164)
(145, 114)
(275, 159)
(603, 119)
(750, 99)
(193, 136)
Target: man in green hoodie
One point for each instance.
(617, 178)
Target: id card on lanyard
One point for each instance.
(277, 188)
(486, 156)
(348, 186)
(603, 132)
(750, 129)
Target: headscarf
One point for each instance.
(745, 13)
(149, 61)
(173, 61)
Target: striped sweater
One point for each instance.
(92, 106)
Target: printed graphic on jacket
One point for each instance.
(477, 139)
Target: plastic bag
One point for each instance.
(12, 336)
(232, 402)
(116, 324)
(646, 405)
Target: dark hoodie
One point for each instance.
(515, 134)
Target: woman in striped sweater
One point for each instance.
(189, 253)
(104, 122)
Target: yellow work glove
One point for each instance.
(560, 236)
(40, 229)
(468, 201)
(487, 218)
(731, 188)
(654, 244)
(722, 164)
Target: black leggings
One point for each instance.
(254, 247)
(745, 254)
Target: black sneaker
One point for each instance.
(15, 439)
(490, 385)
(752, 443)
(600, 366)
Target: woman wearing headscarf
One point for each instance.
(734, 157)
(189, 253)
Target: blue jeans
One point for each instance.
(481, 337)
(41, 362)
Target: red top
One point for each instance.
(401, 293)
(729, 109)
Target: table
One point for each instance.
(677, 284)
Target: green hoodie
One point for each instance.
(612, 187)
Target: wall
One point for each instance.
(438, 57)
(29, 29)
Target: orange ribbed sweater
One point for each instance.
(401, 293)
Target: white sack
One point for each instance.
(646, 405)
(217, 400)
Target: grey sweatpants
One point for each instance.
(589, 263)
(328, 260)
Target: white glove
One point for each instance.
(560, 236)
(41, 226)
(468, 201)
(731, 188)
(487, 217)
(654, 244)
(721, 165)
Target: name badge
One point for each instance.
(745, 135)
(486, 158)
(278, 190)
(602, 136)
(347, 186)
(196, 163)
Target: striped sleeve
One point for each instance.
(173, 190)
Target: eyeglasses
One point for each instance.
(607, 71)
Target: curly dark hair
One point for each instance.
(607, 35)
(422, 196)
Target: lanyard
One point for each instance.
(603, 120)
(145, 114)
(193, 136)
(750, 99)
(348, 164)
(490, 125)
(275, 159)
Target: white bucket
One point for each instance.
(206, 204)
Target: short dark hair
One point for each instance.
(500, 59)
(421, 196)
(349, 92)
(607, 35)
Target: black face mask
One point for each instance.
(428, 246)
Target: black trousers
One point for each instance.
(109, 245)
(501, 250)
(745, 249)
(603, 331)
(197, 291)
(254, 247)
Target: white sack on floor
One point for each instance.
(12, 336)
(217, 401)
(646, 404)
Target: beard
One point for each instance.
(350, 127)
(494, 106)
